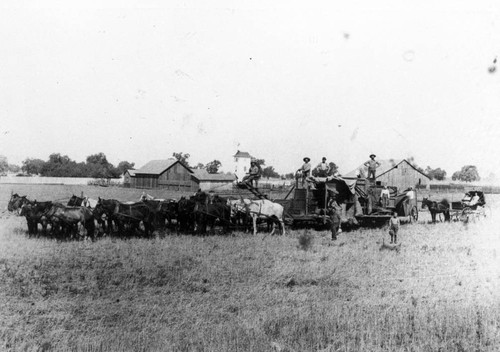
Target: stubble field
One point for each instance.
(440, 292)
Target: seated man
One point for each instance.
(323, 168)
(253, 174)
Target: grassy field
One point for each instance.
(440, 292)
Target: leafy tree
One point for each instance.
(468, 173)
(33, 166)
(260, 162)
(435, 174)
(124, 166)
(182, 157)
(213, 166)
(200, 166)
(99, 158)
(269, 172)
(289, 176)
(14, 168)
(4, 164)
(59, 166)
(99, 167)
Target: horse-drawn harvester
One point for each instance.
(357, 200)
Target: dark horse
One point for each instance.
(437, 208)
(75, 201)
(210, 210)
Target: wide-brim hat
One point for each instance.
(306, 159)
(373, 155)
(253, 163)
(323, 158)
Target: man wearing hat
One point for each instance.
(372, 165)
(305, 170)
(323, 168)
(253, 174)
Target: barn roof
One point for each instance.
(242, 155)
(157, 167)
(204, 175)
(385, 166)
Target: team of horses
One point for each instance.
(201, 213)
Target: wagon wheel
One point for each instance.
(414, 214)
(484, 211)
(466, 214)
(487, 211)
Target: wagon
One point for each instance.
(472, 207)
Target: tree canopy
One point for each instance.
(213, 166)
(182, 157)
(435, 174)
(96, 166)
(468, 173)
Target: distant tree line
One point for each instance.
(96, 166)
(6, 167)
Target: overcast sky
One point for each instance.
(139, 80)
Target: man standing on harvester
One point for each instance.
(372, 166)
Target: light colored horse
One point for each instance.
(260, 209)
(89, 202)
(146, 196)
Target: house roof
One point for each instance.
(131, 172)
(157, 167)
(385, 166)
(242, 155)
(204, 175)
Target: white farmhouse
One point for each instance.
(241, 164)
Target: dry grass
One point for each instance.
(246, 293)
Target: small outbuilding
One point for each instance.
(129, 178)
(212, 182)
(399, 173)
(169, 174)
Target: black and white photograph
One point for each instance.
(269, 176)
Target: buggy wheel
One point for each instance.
(414, 214)
(465, 216)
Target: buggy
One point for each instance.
(471, 207)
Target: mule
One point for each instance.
(210, 210)
(442, 207)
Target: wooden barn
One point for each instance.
(169, 174)
(129, 178)
(399, 173)
(212, 182)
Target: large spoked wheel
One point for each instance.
(414, 214)
(466, 214)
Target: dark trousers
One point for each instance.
(371, 173)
